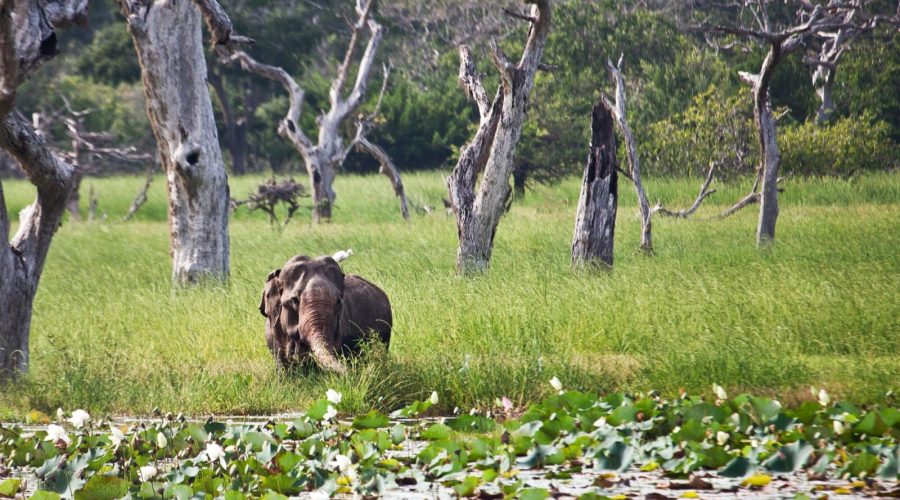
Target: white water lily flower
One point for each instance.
(161, 440)
(556, 383)
(116, 436)
(329, 413)
(824, 398)
(838, 427)
(601, 422)
(79, 418)
(434, 398)
(352, 474)
(59, 414)
(722, 438)
(720, 392)
(333, 396)
(215, 452)
(147, 473)
(341, 462)
(56, 433)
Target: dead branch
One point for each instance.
(704, 192)
(141, 197)
(272, 193)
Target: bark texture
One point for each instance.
(494, 145)
(168, 40)
(27, 38)
(595, 218)
(324, 157)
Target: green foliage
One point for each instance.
(715, 127)
(110, 57)
(843, 147)
(752, 438)
(443, 105)
(868, 82)
(663, 68)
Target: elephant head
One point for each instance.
(303, 302)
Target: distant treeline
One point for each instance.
(687, 105)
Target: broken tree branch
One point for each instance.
(704, 192)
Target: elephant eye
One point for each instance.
(295, 301)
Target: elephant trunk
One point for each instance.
(319, 326)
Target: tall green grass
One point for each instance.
(820, 308)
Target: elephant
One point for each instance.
(314, 312)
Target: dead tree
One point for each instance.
(84, 147)
(168, 39)
(812, 19)
(324, 157)
(494, 146)
(595, 219)
(854, 21)
(633, 161)
(28, 38)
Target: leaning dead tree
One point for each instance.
(494, 146)
(169, 43)
(634, 174)
(28, 38)
(811, 19)
(595, 219)
(324, 157)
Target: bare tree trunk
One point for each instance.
(27, 38)
(633, 160)
(494, 145)
(595, 219)
(22, 260)
(168, 40)
(770, 154)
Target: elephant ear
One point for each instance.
(271, 285)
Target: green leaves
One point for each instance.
(746, 438)
(9, 488)
(372, 420)
(789, 458)
(100, 487)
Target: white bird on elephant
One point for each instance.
(341, 255)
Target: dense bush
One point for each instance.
(716, 127)
(840, 148)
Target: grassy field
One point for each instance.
(820, 308)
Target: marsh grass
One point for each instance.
(820, 308)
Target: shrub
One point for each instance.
(716, 127)
(840, 148)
